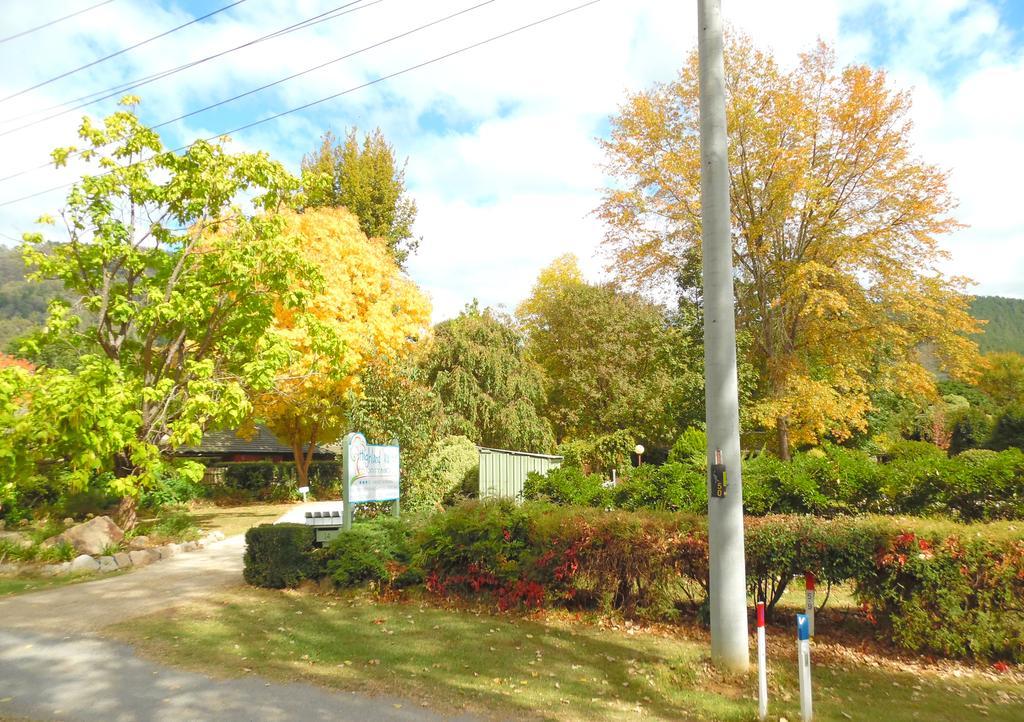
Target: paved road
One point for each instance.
(53, 667)
(46, 677)
(90, 606)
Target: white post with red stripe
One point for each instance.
(809, 584)
(803, 655)
(762, 669)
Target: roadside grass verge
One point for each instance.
(553, 666)
(26, 583)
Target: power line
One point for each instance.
(122, 51)
(305, 106)
(285, 79)
(323, 65)
(90, 98)
(54, 22)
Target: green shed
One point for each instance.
(503, 472)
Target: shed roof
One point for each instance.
(488, 450)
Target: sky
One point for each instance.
(502, 141)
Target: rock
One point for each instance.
(142, 557)
(9, 569)
(123, 560)
(190, 546)
(68, 521)
(23, 523)
(16, 538)
(50, 570)
(215, 536)
(139, 542)
(169, 550)
(84, 563)
(107, 564)
(92, 537)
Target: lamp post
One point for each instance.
(639, 451)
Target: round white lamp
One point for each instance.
(639, 451)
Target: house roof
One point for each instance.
(263, 442)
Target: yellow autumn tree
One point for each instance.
(366, 312)
(835, 223)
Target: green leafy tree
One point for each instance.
(367, 179)
(395, 405)
(1008, 429)
(835, 227)
(63, 429)
(613, 358)
(180, 282)
(490, 391)
(1002, 378)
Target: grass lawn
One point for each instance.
(237, 519)
(553, 666)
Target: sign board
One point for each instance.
(718, 481)
(370, 473)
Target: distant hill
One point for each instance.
(22, 303)
(1005, 328)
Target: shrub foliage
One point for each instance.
(279, 555)
(929, 586)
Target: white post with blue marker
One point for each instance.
(762, 670)
(803, 655)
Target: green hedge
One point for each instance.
(929, 586)
(280, 555)
(273, 481)
(914, 478)
(377, 550)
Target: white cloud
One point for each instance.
(511, 185)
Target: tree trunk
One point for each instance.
(782, 432)
(303, 458)
(127, 513)
(301, 465)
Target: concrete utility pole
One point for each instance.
(725, 485)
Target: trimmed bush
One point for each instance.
(599, 454)
(279, 555)
(690, 448)
(956, 595)
(929, 586)
(378, 550)
(669, 487)
(449, 471)
(1008, 430)
(971, 430)
(568, 485)
(773, 486)
(537, 553)
(781, 547)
